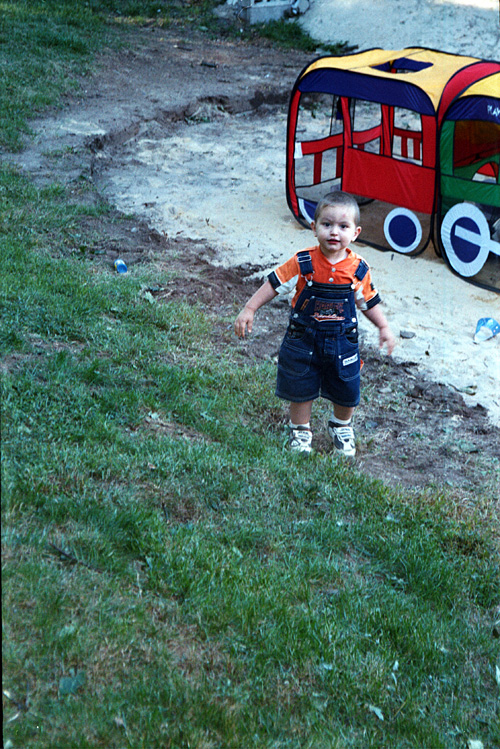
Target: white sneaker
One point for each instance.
(343, 438)
(300, 439)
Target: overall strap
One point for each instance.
(305, 264)
(361, 270)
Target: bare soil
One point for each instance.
(411, 431)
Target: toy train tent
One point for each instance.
(370, 124)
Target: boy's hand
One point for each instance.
(244, 322)
(386, 338)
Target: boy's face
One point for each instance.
(335, 229)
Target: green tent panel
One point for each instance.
(468, 212)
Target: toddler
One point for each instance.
(319, 354)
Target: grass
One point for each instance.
(63, 36)
(172, 577)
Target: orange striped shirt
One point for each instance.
(287, 278)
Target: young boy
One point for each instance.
(319, 354)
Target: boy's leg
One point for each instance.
(342, 413)
(300, 429)
(300, 413)
(341, 431)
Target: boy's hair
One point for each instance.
(337, 197)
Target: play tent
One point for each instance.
(374, 124)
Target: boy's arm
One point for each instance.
(244, 320)
(377, 317)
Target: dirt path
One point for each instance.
(188, 136)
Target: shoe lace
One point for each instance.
(346, 434)
(300, 436)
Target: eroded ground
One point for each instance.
(411, 430)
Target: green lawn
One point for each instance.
(172, 576)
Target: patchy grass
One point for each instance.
(62, 36)
(172, 576)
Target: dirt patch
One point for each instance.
(411, 430)
(155, 424)
(188, 135)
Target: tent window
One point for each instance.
(367, 126)
(403, 65)
(319, 115)
(337, 120)
(318, 144)
(407, 135)
(476, 150)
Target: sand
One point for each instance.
(465, 27)
(440, 308)
(220, 178)
(185, 184)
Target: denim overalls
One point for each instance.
(320, 354)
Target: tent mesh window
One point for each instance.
(367, 125)
(407, 135)
(403, 65)
(475, 150)
(319, 139)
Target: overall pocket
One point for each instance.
(296, 354)
(349, 362)
(352, 335)
(295, 331)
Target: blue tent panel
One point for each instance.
(359, 86)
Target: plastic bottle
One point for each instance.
(120, 266)
(486, 328)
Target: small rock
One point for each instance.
(468, 389)
(407, 334)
